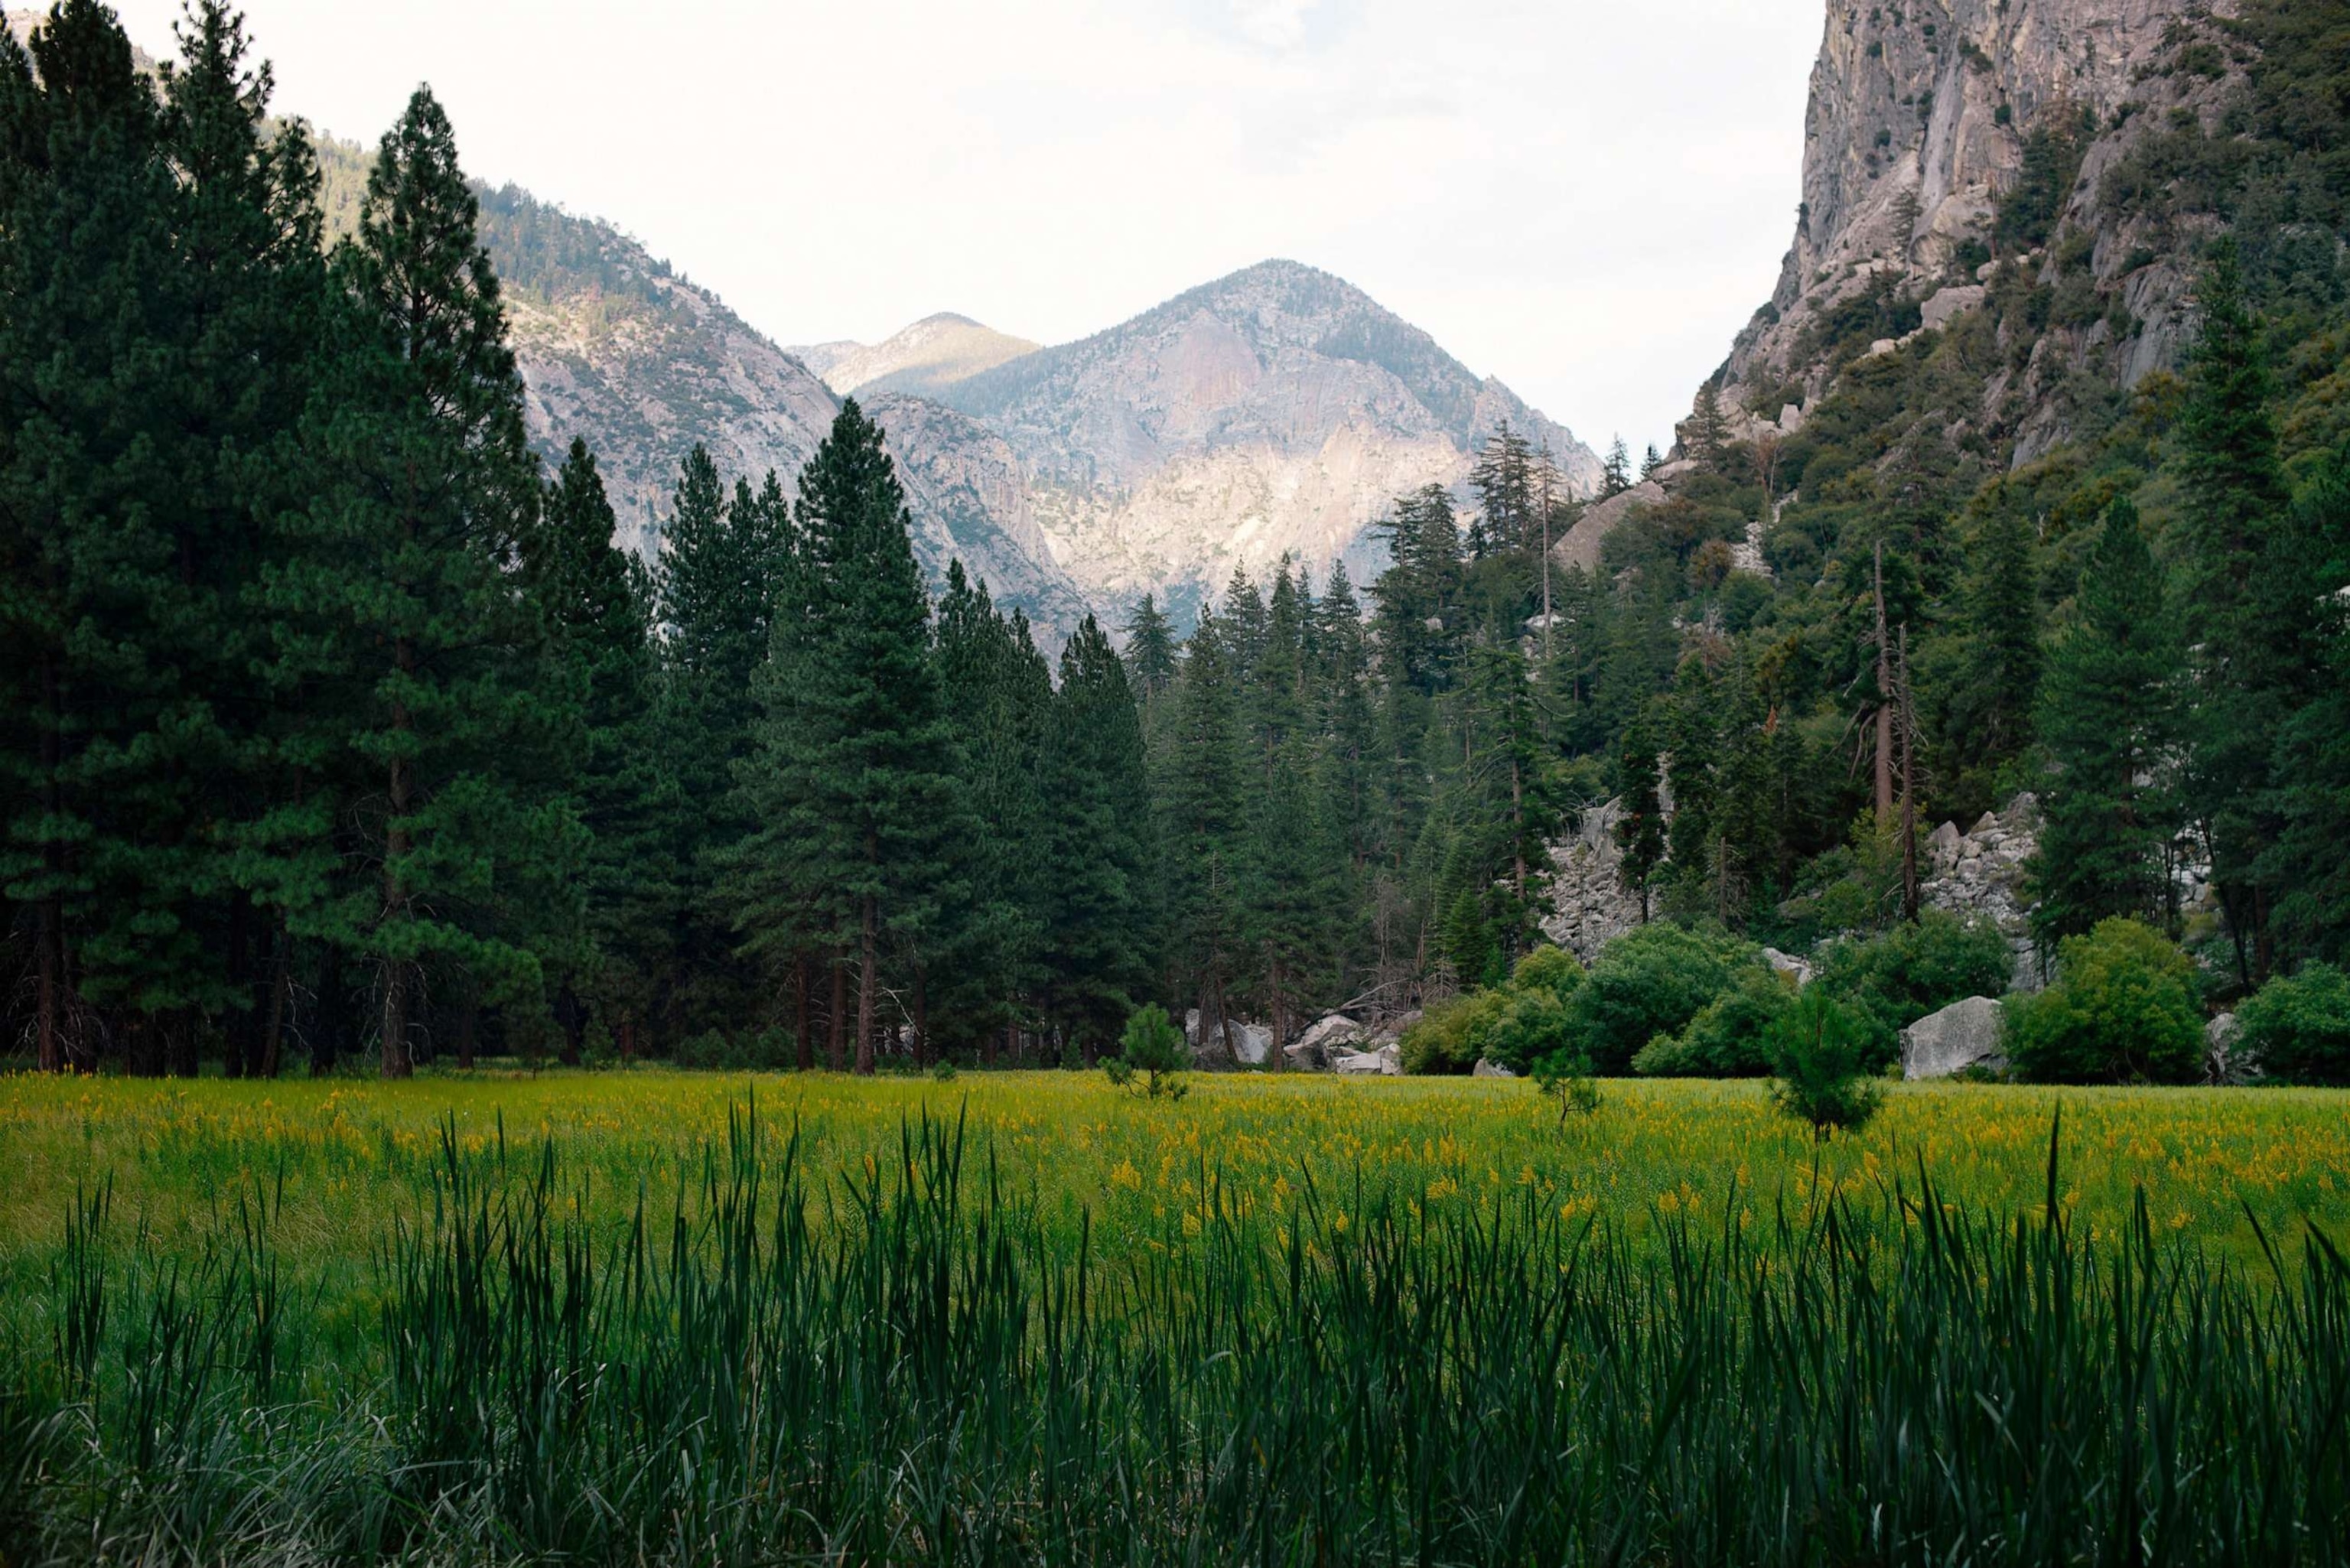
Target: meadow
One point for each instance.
(653, 1317)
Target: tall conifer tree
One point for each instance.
(2109, 720)
(425, 489)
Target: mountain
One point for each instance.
(619, 348)
(1275, 411)
(922, 359)
(1945, 135)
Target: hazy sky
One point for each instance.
(1584, 199)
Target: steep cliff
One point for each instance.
(1947, 136)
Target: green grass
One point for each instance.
(1027, 1319)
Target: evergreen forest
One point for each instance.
(335, 730)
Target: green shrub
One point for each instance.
(1725, 1039)
(1896, 978)
(1447, 1036)
(1817, 1049)
(1552, 969)
(2299, 1028)
(1515, 1025)
(1652, 982)
(2122, 1011)
(711, 1051)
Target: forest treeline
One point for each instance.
(338, 729)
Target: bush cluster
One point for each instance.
(1516, 1023)
(2298, 1029)
(2123, 1011)
(1894, 979)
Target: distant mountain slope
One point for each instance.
(1277, 411)
(921, 359)
(618, 347)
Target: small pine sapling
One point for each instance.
(1567, 1077)
(1817, 1049)
(1150, 1056)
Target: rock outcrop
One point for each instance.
(1979, 875)
(1588, 903)
(1962, 1036)
(1581, 544)
(1316, 1048)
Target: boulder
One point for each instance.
(1486, 1068)
(2224, 1061)
(1252, 1042)
(1314, 1049)
(1963, 1034)
(1385, 1062)
(1789, 965)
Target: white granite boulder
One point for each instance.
(1385, 1062)
(1961, 1035)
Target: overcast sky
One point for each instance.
(1585, 199)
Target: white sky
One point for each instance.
(1586, 198)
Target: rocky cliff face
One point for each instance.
(1275, 411)
(1921, 119)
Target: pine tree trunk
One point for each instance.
(1518, 832)
(469, 1014)
(865, 983)
(333, 1009)
(573, 1016)
(240, 1053)
(1884, 705)
(1273, 1057)
(281, 995)
(52, 936)
(52, 943)
(396, 1061)
(839, 1020)
(921, 1017)
(801, 1038)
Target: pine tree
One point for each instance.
(1640, 832)
(1099, 916)
(1151, 649)
(2109, 718)
(1615, 471)
(1418, 595)
(426, 487)
(1507, 516)
(2310, 858)
(716, 586)
(1202, 796)
(597, 602)
(2235, 507)
(1707, 433)
(998, 694)
(1652, 462)
(83, 234)
(1989, 722)
(856, 782)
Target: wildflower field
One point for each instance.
(1015, 1318)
